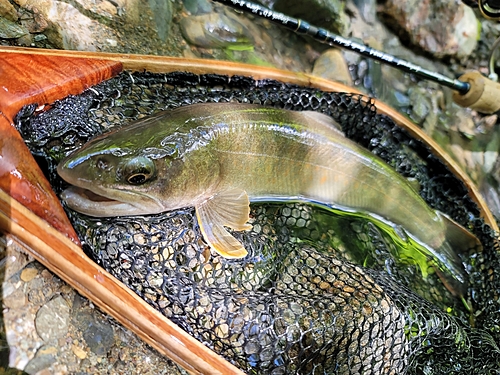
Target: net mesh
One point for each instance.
(320, 292)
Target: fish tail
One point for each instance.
(457, 241)
(460, 238)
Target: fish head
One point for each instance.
(112, 179)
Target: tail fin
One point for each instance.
(458, 240)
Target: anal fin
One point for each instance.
(229, 208)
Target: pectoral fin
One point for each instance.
(228, 208)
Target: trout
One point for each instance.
(218, 157)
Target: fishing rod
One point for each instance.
(490, 9)
(471, 90)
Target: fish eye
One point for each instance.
(138, 170)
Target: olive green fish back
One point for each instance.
(321, 292)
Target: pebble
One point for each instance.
(52, 319)
(26, 40)
(331, 65)
(28, 274)
(79, 352)
(15, 300)
(39, 37)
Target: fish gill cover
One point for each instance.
(320, 292)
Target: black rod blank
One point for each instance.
(326, 37)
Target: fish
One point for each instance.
(219, 157)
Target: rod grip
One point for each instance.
(483, 95)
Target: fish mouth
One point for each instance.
(92, 204)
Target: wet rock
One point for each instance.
(39, 37)
(214, 30)
(8, 11)
(328, 14)
(453, 33)
(70, 29)
(331, 65)
(162, 11)
(426, 105)
(100, 8)
(197, 7)
(44, 358)
(64, 24)
(99, 336)
(11, 30)
(33, 20)
(106, 9)
(97, 332)
(52, 320)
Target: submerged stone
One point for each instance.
(214, 30)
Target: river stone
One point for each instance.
(52, 320)
(331, 65)
(97, 332)
(11, 30)
(99, 336)
(65, 26)
(44, 357)
(8, 11)
(197, 7)
(162, 11)
(214, 30)
(453, 33)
